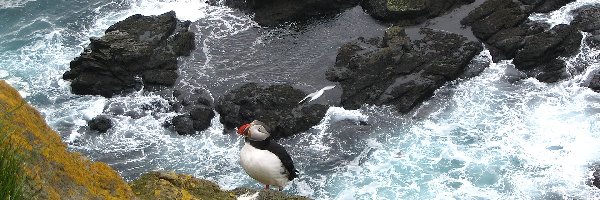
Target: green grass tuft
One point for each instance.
(11, 163)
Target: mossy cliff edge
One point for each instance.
(52, 172)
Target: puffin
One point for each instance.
(263, 159)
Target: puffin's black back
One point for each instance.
(280, 152)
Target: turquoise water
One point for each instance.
(478, 138)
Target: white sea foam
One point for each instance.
(13, 3)
(563, 15)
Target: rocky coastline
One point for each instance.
(393, 69)
(53, 172)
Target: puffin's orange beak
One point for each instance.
(243, 130)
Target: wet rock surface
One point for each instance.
(275, 105)
(196, 108)
(397, 71)
(138, 51)
(276, 12)
(409, 12)
(535, 46)
(100, 123)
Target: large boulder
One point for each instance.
(535, 46)
(496, 15)
(276, 105)
(396, 71)
(139, 46)
(586, 18)
(539, 54)
(409, 11)
(276, 12)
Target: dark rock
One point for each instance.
(594, 39)
(183, 125)
(495, 15)
(595, 82)
(508, 41)
(595, 180)
(378, 72)
(201, 116)
(409, 11)
(100, 123)
(587, 18)
(276, 12)
(535, 47)
(196, 106)
(139, 46)
(276, 105)
(538, 56)
(476, 66)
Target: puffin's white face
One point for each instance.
(254, 131)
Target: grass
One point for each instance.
(11, 169)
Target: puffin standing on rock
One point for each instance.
(263, 159)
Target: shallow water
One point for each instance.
(478, 138)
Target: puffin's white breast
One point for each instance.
(263, 166)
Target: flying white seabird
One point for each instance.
(316, 94)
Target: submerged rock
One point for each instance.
(100, 123)
(140, 50)
(276, 12)
(397, 71)
(409, 11)
(276, 105)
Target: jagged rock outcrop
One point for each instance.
(276, 105)
(51, 171)
(536, 47)
(409, 12)
(586, 19)
(140, 50)
(196, 108)
(396, 71)
(276, 12)
(169, 185)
